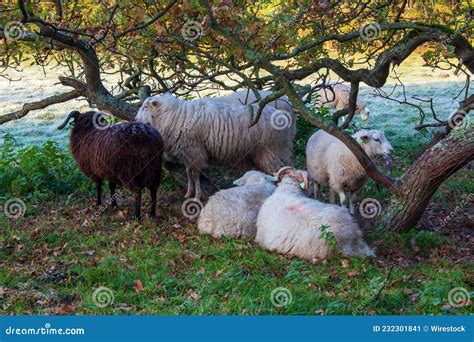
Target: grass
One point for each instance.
(183, 272)
(52, 262)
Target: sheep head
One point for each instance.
(154, 107)
(299, 176)
(374, 142)
(252, 177)
(72, 115)
(86, 121)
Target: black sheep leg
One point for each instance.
(153, 202)
(138, 203)
(98, 186)
(112, 187)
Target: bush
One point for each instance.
(38, 172)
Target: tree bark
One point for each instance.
(421, 181)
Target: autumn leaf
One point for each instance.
(137, 285)
(65, 310)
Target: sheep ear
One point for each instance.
(273, 178)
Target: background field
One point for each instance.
(52, 262)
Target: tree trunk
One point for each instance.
(424, 177)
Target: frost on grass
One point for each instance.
(397, 120)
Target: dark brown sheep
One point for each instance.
(128, 154)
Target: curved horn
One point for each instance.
(283, 170)
(304, 174)
(74, 114)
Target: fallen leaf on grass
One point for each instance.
(353, 273)
(194, 295)
(137, 285)
(65, 310)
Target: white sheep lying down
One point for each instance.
(233, 212)
(247, 96)
(331, 163)
(201, 133)
(338, 99)
(291, 223)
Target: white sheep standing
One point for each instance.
(233, 212)
(338, 99)
(201, 133)
(247, 96)
(330, 162)
(289, 222)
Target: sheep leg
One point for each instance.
(112, 187)
(351, 202)
(317, 190)
(190, 190)
(342, 198)
(197, 184)
(98, 187)
(153, 202)
(138, 204)
(332, 196)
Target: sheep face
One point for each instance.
(152, 110)
(252, 177)
(364, 112)
(374, 142)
